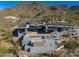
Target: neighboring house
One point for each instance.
(11, 17)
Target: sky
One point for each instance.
(8, 4)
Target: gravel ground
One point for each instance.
(71, 53)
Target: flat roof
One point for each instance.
(50, 25)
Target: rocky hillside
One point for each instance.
(43, 12)
(31, 10)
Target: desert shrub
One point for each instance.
(7, 34)
(5, 50)
(66, 34)
(71, 44)
(16, 48)
(52, 8)
(23, 15)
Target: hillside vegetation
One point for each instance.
(41, 12)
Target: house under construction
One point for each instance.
(41, 38)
